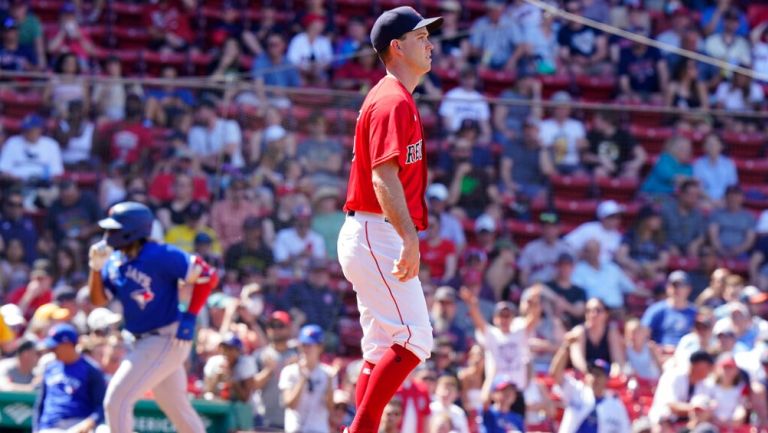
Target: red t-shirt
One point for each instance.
(128, 141)
(15, 296)
(171, 18)
(389, 126)
(161, 188)
(434, 256)
(416, 395)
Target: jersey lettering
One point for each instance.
(413, 153)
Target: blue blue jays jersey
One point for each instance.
(148, 285)
(71, 391)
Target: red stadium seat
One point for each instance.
(576, 211)
(553, 83)
(687, 264)
(127, 37)
(596, 89)
(495, 82)
(155, 62)
(523, 232)
(744, 145)
(17, 105)
(449, 78)
(621, 190)
(127, 14)
(652, 139)
(47, 11)
(752, 171)
(571, 187)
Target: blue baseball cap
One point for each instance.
(60, 334)
(232, 340)
(31, 121)
(394, 23)
(599, 366)
(311, 334)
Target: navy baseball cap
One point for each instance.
(394, 23)
(31, 121)
(60, 334)
(232, 340)
(311, 334)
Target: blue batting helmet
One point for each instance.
(127, 222)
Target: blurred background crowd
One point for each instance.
(586, 191)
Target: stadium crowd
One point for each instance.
(587, 270)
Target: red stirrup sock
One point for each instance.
(390, 372)
(362, 382)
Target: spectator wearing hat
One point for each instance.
(747, 327)
(73, 216)
(214, 140)
(526, 165)
(732, 229)
(228, 215)
(504, 408)
(15, 56)
(715, 171)
(450, 227)
(672, 318)
(438, 253)
(251, 254)
(563, 136)
(671, 169)
(678, 385)
(492, 38)
(229, 376)
(538, 260)
(17, 373)
(37, 292)
(128, 140)
(183, 236)
(643, 253)
(605, 230)
(589, 406)
(728, 389)
(307, 386)
(273, 68)
(342, 413)
(12, 324)
(613, 152)
(311, 51)
(602, 278)
(15, 225)
(73, 387)
(297, 244)
(102, 321)
(270, 361)
(31, 155)
(569, 299)
(328, 218)
(445, 320)
(684, 224)
(313, 301)
(465, 102)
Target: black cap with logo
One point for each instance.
(394, 23)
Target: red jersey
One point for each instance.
(434, 256)
(128, 141)
(389, 126)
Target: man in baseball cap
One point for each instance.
(395, 23)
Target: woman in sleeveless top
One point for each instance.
(598, 338)
(686, 89)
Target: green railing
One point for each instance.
(16, 412)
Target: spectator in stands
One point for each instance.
(73, 387)
(450, 227)
(74, 132)
(274, 68)
(229, 376)
(465, 102)
(605, 230)
(569, 299)
(583, 49)
(546, 329)
(14, 271)
(678, 385)
(438, 253)
(17, 373)
(596, 338)
(612, 152)
(509, 120)
(671, 169)
(588, 405)
(739, 93)
(361, 73)
(307, 386)
(507, 353)
(504, 408)
(328, 218)
(700, 415)
(564, 135)
(348, 46)
(31, 156)
(680, 23)
(732, 229)
(684, 224)
(30, 31)
(492, 38)
(392, 417)
(67, 268)
(127, 141)
(228, 215)
(715, 18)
(294, 246)
(445, 320)
(74, 214)
(726, 43)
(313, 301)
(15, 225)
(446, 393)
(231, 27)
(643, 252)
(270, 361)
(642, 354)
(195, 222)
(700, 338)
(311, 51)
(71, 38)
(759, 39)
(216, 141)
(643, 72)
(165, 102)
(168, 24)
(319, 153)
(453, 48)
(712, 296)
(109, 98)
(687, 90)
(525, 165)
(602, 278)
(670, 319)
(471, 188)
(538, 260)
(174, 210)
(15, 57)
(67, 86)
(714, 171)
(227, 62)
(758, 271)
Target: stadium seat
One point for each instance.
(553, 83)
(752, 170)
(740, 145)
(47, 11)
(17, 105)
(495, 82)
(687, 264)
(449, 78)
(127, 37)
(596, 89)
(523, 232)
(652, 139)
(576, 211)
(571, 187)
(126, 14)
(619, 189)
(155, 62)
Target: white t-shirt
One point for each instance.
(509, 352)
(26, 161)
(760, 58)
(79, 148)
(460, 104)
(733, 99)
(311, 414)
(300, 50)
(206, 142)
(580, 402)
(245, 367)
(458, 417)
(673, 387)
(562, 138)
(610, 240)
(727, 399)
(288, 244)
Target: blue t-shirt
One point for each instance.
(589, 425)
(71, 391)
(502, 422)
(148, 285)
(667, 324)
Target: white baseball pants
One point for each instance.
(391, 312)
(155, 363)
